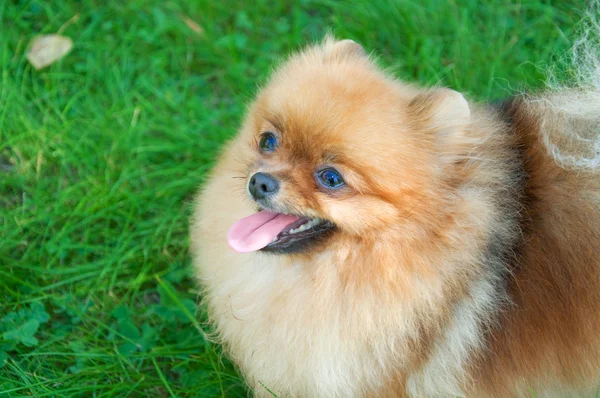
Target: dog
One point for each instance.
(365, 237)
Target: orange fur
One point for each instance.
(465, 260)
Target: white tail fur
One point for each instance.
(571, 108)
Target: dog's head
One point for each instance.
(337, 146)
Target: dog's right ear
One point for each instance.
(342, 49)
(349, 47)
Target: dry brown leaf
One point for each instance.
(192, 24)
(46, 50)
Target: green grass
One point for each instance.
(101, 153)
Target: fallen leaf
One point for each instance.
(46, 50)
(192, 24)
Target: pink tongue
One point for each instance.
(258, 230)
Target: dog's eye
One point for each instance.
(268, 142)
(330, 178)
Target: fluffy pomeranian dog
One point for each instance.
(364, 237)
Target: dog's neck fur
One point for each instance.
(478, 312)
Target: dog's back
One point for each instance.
(550, 330)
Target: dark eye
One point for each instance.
(268, 142)
(330, 178)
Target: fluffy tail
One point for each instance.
(570, 109)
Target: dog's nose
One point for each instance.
(262, 185)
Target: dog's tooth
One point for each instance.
(311, 223)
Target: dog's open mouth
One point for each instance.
(277, 232)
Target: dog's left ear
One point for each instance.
(445, 112)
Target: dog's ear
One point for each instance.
(342, 49)
(443, 111)
(349, 47)
(444, 116)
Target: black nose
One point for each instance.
(262, 185)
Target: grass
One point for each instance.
(101, 153)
